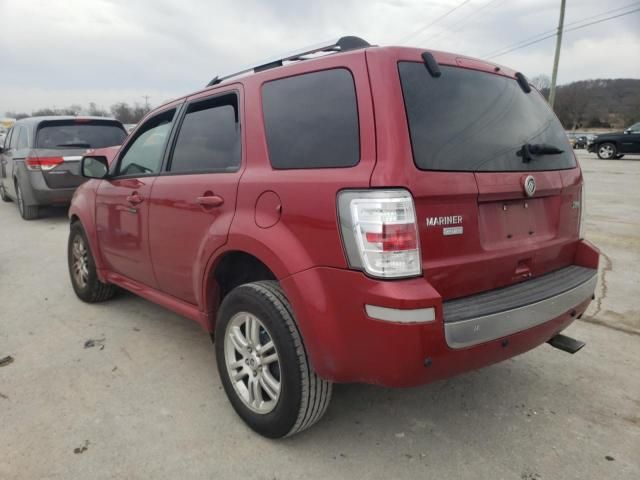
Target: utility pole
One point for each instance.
(556, 59)
(146, 97)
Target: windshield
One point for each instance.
(472, 121)
(72, 134)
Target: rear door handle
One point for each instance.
(134, 199)
(210, 200)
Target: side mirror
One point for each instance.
(94, 167)
(627, 131)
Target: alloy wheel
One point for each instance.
(80, 262)
(606, 151)
(252, 362)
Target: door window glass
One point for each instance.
(7, 140)
(143, 156)
(209, 137)
(23, 141)
(15, 132)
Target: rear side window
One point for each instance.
(472, 121)
(79, 134)
(143, 155)
(311, 120)
(209, 137)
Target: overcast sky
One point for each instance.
(55, 53)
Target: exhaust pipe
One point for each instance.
(566, 344)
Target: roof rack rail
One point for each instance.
(342, 44)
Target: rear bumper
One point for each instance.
(499, 313)
(346, 345)
(35, 190)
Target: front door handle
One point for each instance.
(134, 198)
(210, 200)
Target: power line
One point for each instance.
(550, 33)
(566, 30)
(441, 17)
(462, 22)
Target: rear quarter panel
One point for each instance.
(307, 232)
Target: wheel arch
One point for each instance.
(228, 269)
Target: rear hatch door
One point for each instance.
(60, 144)
(479, 228)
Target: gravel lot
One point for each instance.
(145, 400)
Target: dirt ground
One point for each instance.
(126, 389)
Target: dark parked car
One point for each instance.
(614, 145)
(40, 158)
(390, 216)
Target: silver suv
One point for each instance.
(40, 158)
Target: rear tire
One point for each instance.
(82, 269)
(27, 212)
(3, 194)
(607, 151)
(299, 397)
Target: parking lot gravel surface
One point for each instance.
(126, 389)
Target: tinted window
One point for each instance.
(78, 133)
(209, 137)
(23, 140)
(144, 153)
(468, 120)
(311, 120)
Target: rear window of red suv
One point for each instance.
(79, 134)
(472, 121)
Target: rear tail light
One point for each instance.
(379, 232)
(43, 163)
(582, 211)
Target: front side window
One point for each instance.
(472, 121)
(209, 137)
(15, 133)
(143, 155)
(311, 120)
(635, 128)
(23, 141)
(7, 140)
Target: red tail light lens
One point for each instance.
(395, 237)
(43, 163)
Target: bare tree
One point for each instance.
(541, 82)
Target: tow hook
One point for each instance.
(566, 344)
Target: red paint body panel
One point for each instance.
(347, 346)
(167, 250)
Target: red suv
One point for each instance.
(350, 213)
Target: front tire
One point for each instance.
(607, 151)
(3, 194)
(82, 269)
(263, 363)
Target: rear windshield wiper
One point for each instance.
(78, 144)
(530, 150)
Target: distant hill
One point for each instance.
(598, 103)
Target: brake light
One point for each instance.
(379, 232)
(43, 163)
